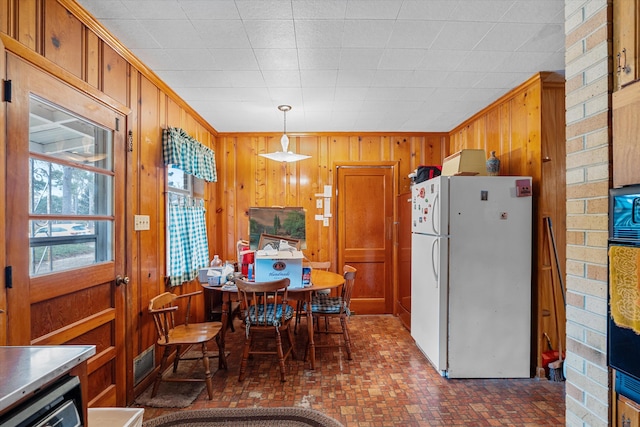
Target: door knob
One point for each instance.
(121, 280)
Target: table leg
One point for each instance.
(226, 305)
(312, 345)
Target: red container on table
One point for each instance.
(247, 258)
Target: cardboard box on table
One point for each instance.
(279, 265)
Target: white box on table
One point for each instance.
(283, 264)
(210, 279)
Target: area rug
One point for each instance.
(177, 394)
(245, 417)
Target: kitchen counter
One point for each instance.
(24, 370)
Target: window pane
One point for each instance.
(61, 245)
(177, 179)
(60, 189)
(59, 134)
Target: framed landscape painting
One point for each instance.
(287, 222)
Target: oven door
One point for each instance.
(59, 405)
(622, 342)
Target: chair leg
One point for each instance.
(207, 371)
(245, 357)
(163, 366)
(291, 343)
(176, 359)
(298, 310)
(280, 355)
(222, 357)
(347, 340)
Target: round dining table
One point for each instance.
(320, 280)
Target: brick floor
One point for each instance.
(388, 383)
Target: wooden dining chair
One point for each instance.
(315, 265)
(180, 337)
(265, 310)
(328, 307)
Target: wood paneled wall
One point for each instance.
(246, 180)
(526, 129)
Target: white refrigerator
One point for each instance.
(471, 275)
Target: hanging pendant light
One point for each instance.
(285, 155)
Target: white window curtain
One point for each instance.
(188, 245)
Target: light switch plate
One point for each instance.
(141, 222)
(319, 203)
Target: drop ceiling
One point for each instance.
(343, 65)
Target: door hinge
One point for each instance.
(8, 277)
(130, 142)
(6, 97)
(117, 124)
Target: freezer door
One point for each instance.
(430, 206)
(489, 279)
(429, 297)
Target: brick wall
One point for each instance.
(588, 104)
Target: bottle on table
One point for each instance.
(216, 261)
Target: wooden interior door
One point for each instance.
(66, 149)
(365, 232)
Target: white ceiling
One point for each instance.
(343, 65)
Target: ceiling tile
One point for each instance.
(431, 10)
(461, 35)
(264, 9)
(270, 34)
(223, 34)
(319, 59)
(277, 59)
(379, 9)
(319, 34)
(367, 33)
(414, 34)
(235, 59)
(210, 9)
(360, 59)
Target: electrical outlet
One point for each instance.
(523, 188)
(319, 203)
(141, 222)
(326, 222)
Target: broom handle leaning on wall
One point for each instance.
(555, 253)
(553, 290)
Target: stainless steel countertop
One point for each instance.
(23, 370)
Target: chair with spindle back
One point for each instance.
(327, 306)
(265, 310)
(317, 265)
(176, 337)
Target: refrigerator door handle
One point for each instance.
(433, 215)
(434, 251)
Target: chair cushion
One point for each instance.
(273, 314)
(323, 303)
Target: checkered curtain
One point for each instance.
(188, 154)
(188, 248)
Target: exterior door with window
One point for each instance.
(65, 229)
